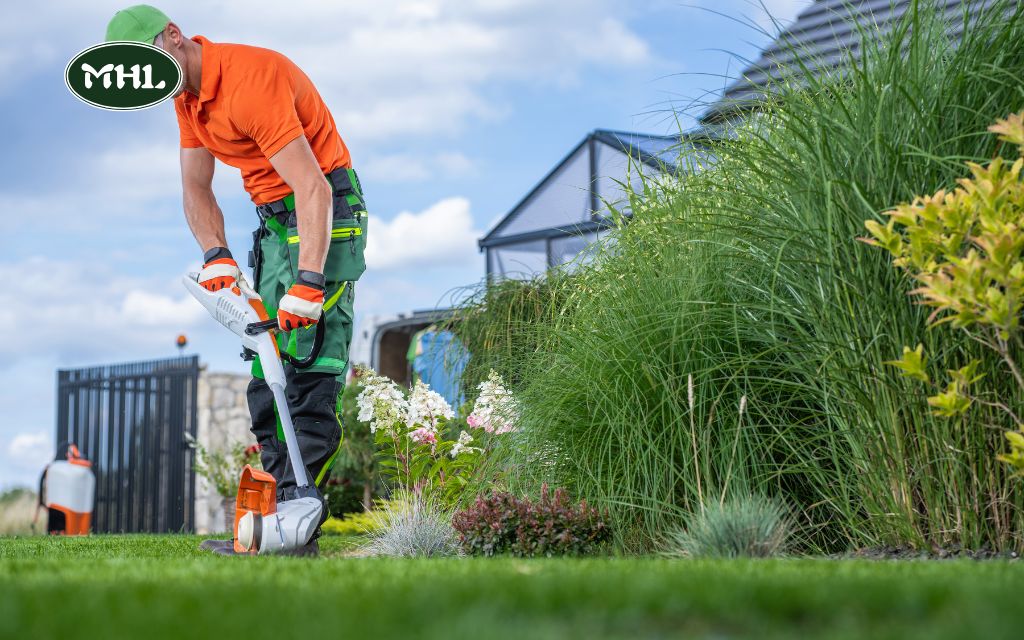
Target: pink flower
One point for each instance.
(474, 421)
(423, 435)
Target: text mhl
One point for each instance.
(141, 77)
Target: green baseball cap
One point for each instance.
(140, 23)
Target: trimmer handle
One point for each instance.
(256, 328)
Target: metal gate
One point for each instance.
(130, 420)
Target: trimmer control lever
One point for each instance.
(256, 328)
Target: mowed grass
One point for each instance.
(162, 587)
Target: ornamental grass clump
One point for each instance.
(551, 526)
(502, 323)
(747, 527)
(415, 528)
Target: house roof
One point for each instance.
(820, 38)
(656, 151)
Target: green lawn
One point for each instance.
(160, 587)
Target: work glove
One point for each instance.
(304, 302)
(220, 271)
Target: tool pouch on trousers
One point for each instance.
(346, 258)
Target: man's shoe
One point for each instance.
(216, 545)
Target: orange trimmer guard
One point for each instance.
(257, 492)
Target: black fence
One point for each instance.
(131, 420)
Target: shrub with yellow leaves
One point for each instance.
(965, 249)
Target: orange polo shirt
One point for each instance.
(251, 103)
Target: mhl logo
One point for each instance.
(123, 76)
(106, 71)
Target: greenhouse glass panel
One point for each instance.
(561, 201)
(565, 251)
(615, 168)
(518, 261)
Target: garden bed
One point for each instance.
(162, 587)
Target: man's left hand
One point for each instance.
(303, 304)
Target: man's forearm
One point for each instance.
(205, 219)
(313, 210)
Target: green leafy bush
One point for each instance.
(747, 526)
(551, 526)
(343, 496)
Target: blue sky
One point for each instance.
(452, 109)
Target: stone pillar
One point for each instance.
(223, 421)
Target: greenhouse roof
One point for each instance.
(659, 152)
(654, 150)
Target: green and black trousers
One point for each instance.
(314, 393)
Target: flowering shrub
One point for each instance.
(966, 250)
(415, 452)
(495, 411)
(222, 469)
(552, 526)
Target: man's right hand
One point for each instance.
(220, 271)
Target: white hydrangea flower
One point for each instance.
(426, 407)
(463, 445)
(381, 403)
(496, 410)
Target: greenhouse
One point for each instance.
(575, 202)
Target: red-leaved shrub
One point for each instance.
(553, 526)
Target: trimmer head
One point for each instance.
(257, 497)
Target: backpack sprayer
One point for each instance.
(263, 525)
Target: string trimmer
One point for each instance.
(262, 524)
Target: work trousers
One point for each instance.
(314, 393)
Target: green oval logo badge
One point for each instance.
(123, 76)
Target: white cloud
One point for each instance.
(138, 183)
(30, 451)
(152, 309)
(608, 39)
(398, 168)
(88, 312)
(455, 164)
(442, 234)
